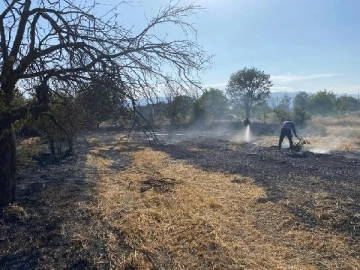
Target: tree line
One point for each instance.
(247, 94)
(100, 100)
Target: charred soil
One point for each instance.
(320, 189)
(203, 203)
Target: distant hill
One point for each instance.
(279, 95)
(293, 94)
(273, 96)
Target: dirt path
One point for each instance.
(196, 205)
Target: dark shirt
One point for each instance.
(246, 122)
(289, 125)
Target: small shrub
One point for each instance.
(301, 116)
(300, 144)
(28, 148)
(282, 115)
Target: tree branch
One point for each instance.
(21, 29)
(12, 116)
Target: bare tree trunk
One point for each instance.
(7, 168)
(51, 145)
(247, 112)
(70, 150)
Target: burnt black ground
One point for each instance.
(41, 229)
(322, 190)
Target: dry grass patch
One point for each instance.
(325, 134)
(29, 147)
(330, 143)
(336, 121)
(203, 220)
(342, 133)
(320, 144)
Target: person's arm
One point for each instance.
(294, 129)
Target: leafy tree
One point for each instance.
(323, 102)
(180, 109)
(285, 102)
(156, 112)
(345, 104)
(282, 114)
(101, 99)
(301, 111)
(301, 116)
(282, 109)
(247, 87)
(160, 111)
(61, 124)
(60, 44)
(211, 105)
(198, 111)
(302, 100)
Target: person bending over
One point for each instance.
(286, 129)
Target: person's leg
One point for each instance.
(281, 138)
(289, 136)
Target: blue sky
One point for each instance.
(305, 45)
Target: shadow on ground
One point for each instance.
(51, 224)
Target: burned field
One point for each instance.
(200, 203)
(320, 189)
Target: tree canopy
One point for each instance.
(211, 104)
(68, 44)
(101, 99)
(247, 87)
(323, 102)
(180, 109)
(54, 46)
(302, 100)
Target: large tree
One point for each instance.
(248, 87)
(63, 43)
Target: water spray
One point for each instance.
(247, 130)
(247, 133)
